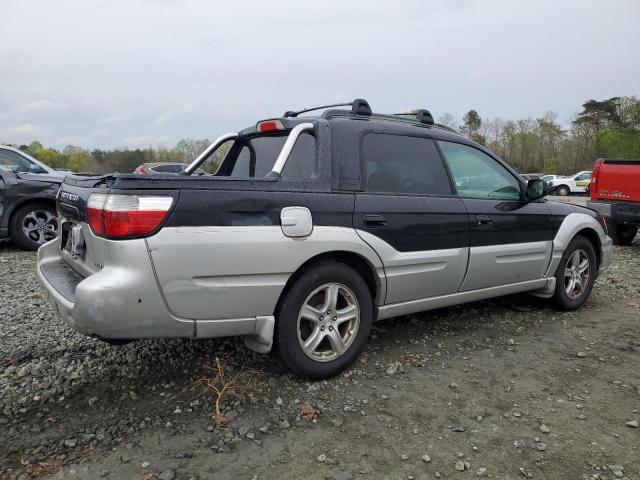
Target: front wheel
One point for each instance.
(563, 190)
(324, 320)
(575, 274)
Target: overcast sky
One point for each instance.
(99, 73)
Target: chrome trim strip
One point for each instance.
(208, 151)
(288, 146)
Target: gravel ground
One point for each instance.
(508, 388)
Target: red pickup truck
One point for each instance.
(615, 194)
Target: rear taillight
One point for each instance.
(123, 216)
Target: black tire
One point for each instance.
(562, 299)
(287, 336)
(563, 191)
(35, 239)
(621, 234)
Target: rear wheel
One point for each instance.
(324, 320)
(34, 224)
(621, 234)
(563, 190)
(575, 274)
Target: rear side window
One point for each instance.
(258, 155)
(403, 164)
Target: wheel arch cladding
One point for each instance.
(591, 235)
(572, 225)
(360, 264)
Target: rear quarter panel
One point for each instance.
(223, 253)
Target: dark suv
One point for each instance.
(311, 229)
(27, 199)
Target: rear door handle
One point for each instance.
(375, 221)
(484, 221)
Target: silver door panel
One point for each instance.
(494, 265)
(413, 275)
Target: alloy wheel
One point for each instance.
(40, 226)
(576, 274)
(328, 322)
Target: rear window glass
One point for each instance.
(257, 156)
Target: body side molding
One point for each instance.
(406, 308)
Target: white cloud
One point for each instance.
(112, 119)
(164, 118)
(70, 75)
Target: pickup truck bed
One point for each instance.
(615, 194)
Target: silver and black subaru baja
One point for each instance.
(309, 229)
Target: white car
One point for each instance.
(549, 178)
(577, 183)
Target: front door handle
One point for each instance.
(484, 221)
(375, 221)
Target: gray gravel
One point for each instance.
(492, 388)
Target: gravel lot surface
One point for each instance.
(509, 388)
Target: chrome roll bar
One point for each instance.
(288, 146)
(208, 151)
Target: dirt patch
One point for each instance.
(508, 388)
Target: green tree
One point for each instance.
(471, 126)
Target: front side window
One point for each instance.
(14, 162)
(404, 165)
(477, 175)
(584, 176)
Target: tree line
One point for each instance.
(607, 128)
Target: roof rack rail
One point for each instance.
(358, 107)
(424, 116)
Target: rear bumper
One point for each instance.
(122, 300)
(618, 212)
(119, 301)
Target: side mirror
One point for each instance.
(537, 188)
(33, 168)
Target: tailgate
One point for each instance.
(79, 247)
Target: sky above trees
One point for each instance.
(97, 73)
